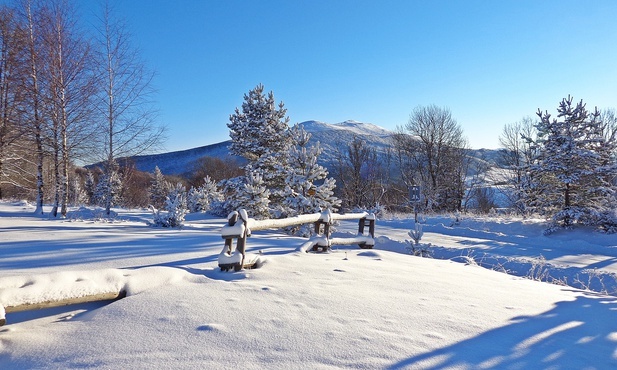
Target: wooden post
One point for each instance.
(240, 244)
(325, 232)
(362, 223)
(229, 241)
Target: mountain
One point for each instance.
(179, 162)
(332, 137)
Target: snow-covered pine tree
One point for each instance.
(229, 193)
(309, 189)
(195, 200)
(108, 190)
(159, 189)
(77, 194)
(113, 186)
(572, 175)
(202, 198)
(260, 127)
(90, 187)
(253, 196)
(212, 192)
(175, 208)
(260, 133)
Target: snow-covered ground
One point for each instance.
(351, 308)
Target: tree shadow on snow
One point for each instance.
(573, 334)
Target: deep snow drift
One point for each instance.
(379, 308)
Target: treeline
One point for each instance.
(69, 95)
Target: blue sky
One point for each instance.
(490, 62)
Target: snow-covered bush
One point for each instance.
(604, 220)
(175, 209)
(244, 192)
(416, 234)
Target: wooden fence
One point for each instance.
(240, 226)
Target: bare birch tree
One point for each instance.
(125, 104)
(11, 95)
(33, 109)
(70, 89)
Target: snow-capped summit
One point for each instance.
(363, 128)
(356, 127)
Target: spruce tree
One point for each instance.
(572, 174)
(108, 191)
(158, 189)
(253, 196)
(230, 194)
(260, 128)
(260, 133)
(90, 187)
(202, 198)
(309, 189)
(175, 208)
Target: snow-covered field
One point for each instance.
(351, 308)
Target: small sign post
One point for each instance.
(414, 198)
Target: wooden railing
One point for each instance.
(239, 227)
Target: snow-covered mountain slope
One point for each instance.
(358, 128)
(333, 138)
(180, 162)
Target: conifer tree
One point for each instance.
(108, 190)
(309, 189)
(572, 174)
(175, 208)
(202, 198)
(159, 189)
(253, 196)
(260, 133)
(230, 194)
(90, 187)
(260, 128)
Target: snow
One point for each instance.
(353, 126)
(350, 308)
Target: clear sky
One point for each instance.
(490, 62)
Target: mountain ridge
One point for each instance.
(332, 138)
